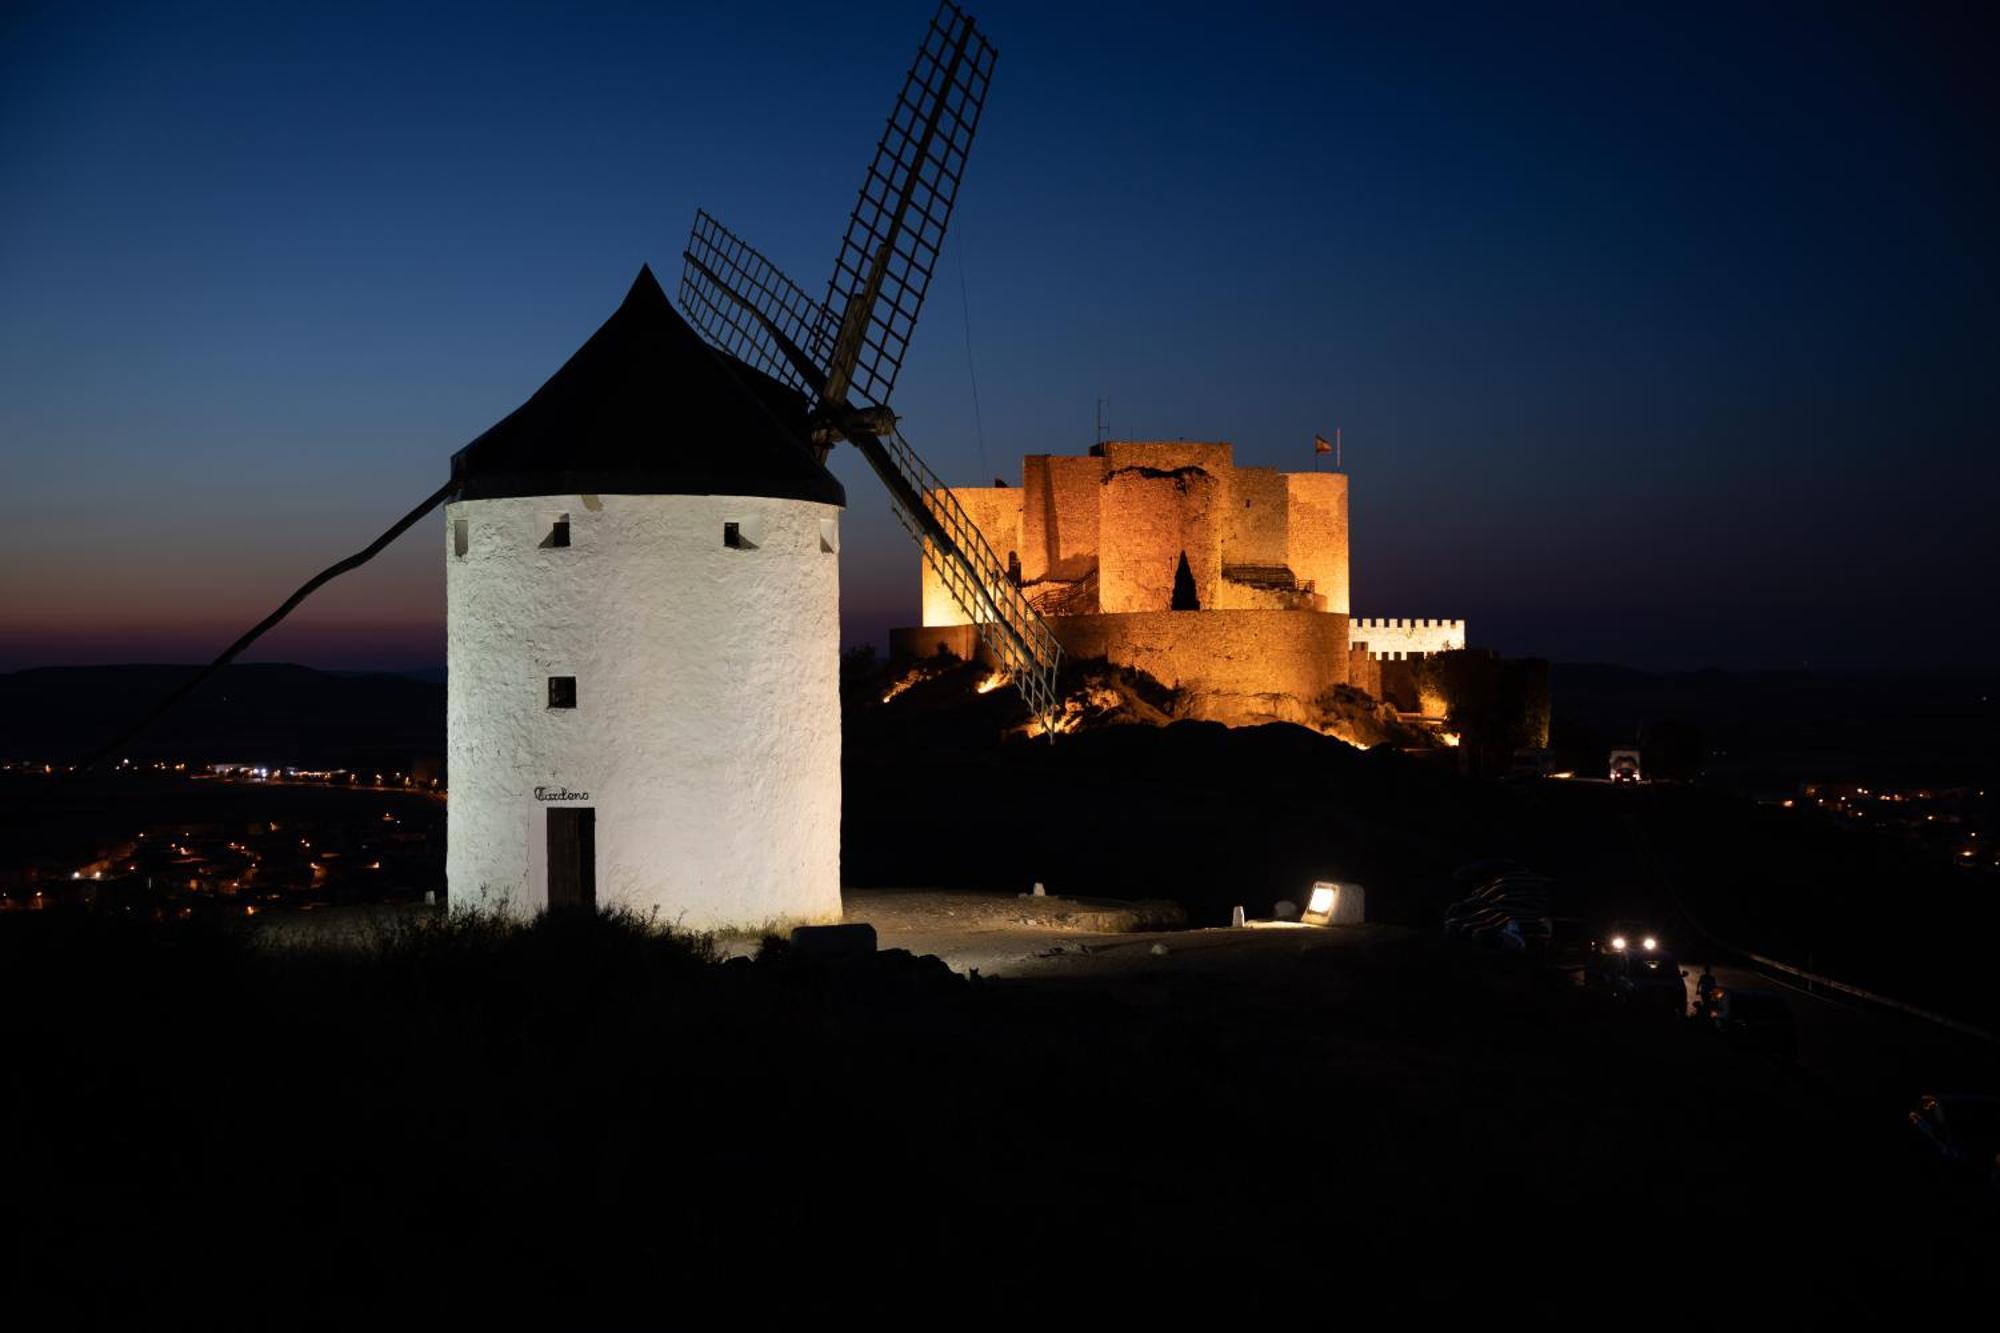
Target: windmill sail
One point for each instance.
(847, 353)
(745, 306)
(893, 238)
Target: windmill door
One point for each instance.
(572, 858)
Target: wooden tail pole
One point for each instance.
(255, 632)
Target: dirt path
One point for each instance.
(1001, 935)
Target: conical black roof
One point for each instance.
(646, 408)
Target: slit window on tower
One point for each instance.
(558, 531)
(461, 536)
(562, 691)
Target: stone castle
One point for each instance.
(1227, 583)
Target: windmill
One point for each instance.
(844, 354)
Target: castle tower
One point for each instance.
(1262, 631)
(642, 578)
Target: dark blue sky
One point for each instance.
(1660, 337)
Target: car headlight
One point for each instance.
(1617, 941)
(1649, 943)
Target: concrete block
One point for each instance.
(1350, 905)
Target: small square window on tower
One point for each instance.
(461, 536)
(743, 534)
(562, 691)
(555, 530)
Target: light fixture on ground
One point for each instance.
(1334, 903)
(1319, 907)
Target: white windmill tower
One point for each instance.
(643, 613)
(643, 594)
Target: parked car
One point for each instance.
(1624, 766)
(1963, 1130)
(1756, 1019)
(1610, 946)
(1650, 982)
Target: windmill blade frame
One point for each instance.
(883, 270)
(745, 307)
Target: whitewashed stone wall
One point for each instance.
(706, 732)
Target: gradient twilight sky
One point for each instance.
(1663, 335)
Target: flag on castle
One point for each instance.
(1320, 446)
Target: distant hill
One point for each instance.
(262, 713)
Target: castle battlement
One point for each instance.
(1405, 622)
(1399, 638)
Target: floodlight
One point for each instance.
(1319, 906)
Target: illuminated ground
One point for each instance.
(1009, 936)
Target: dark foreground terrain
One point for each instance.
(586, 1121)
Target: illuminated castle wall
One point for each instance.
(1097, 541)
(1104, 534)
